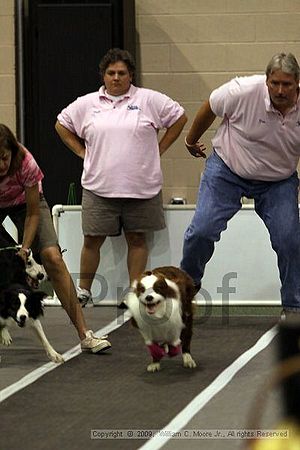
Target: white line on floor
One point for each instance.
(41, 371)
(208, 393)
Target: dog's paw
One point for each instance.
(153, 367)
(5, 337)
(55, 357)
(188, 361)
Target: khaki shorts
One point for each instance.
(45, 236)
(103, 216)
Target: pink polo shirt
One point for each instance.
(122, 155)
(12, 188)
(254, 140)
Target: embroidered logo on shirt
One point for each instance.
(261, 121)
(132, 107)
(298, 123)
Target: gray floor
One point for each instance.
(25, 354)
(114, 391)
(230, 409)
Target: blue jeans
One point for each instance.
(219, 198)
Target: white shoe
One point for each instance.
(84, 296)
(94, 344)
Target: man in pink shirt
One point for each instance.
(256, 150)
(115, 132)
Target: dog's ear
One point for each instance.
(8, 297)
(8, 302)
(160, 286)
(38, 295)
(140, 288)
(35, 303)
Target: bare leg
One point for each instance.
(89, 261)
(64, 287)
(137, 254)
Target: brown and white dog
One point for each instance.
(161, 306)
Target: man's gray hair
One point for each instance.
(285, 62)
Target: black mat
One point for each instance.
(114, 390)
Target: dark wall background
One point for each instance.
(63, 44)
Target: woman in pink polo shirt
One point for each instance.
(22, 200)
(115, 132)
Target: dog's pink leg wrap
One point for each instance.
(157, 352)
(174, 351)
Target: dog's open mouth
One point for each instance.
(151, 307)
(34, 283)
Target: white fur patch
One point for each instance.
(22, 311)
(148, 281)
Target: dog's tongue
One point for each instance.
(151, 308)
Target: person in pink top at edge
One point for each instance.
(22, 200)
(115, 131)
(255, 154)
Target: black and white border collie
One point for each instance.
(19, 303)
(162, 309)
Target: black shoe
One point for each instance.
(84, 296)
(122, 305)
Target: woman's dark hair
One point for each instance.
(9, 142)
(114, 55)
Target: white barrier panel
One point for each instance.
(243, 269)
(11, 228)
